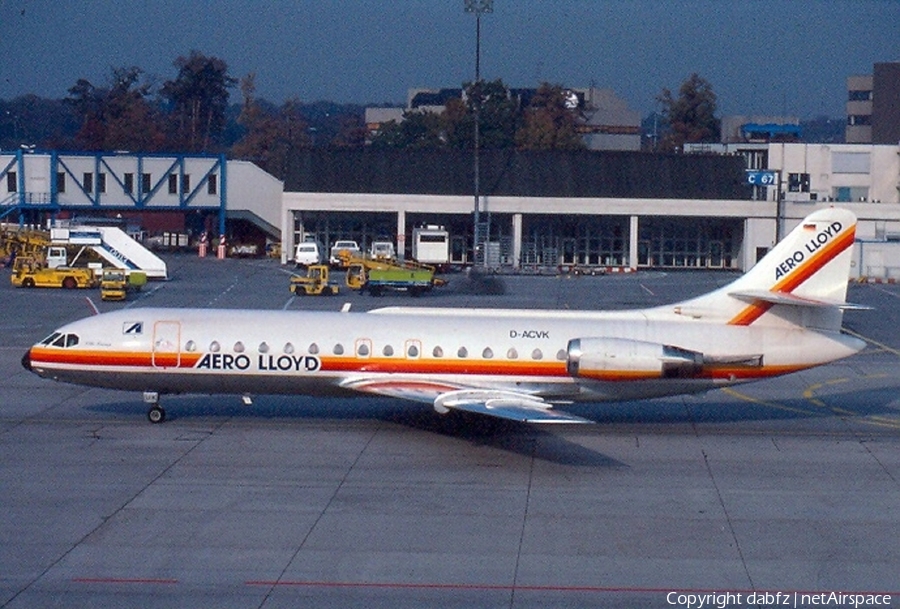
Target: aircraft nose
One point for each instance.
(26, 360)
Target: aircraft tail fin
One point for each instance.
(801, 281)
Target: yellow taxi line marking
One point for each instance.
(809, 393)
(873, 342)
(753, 400)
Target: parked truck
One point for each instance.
(431, 245)
(343, 246)
(378, 276)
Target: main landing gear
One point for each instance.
(155, 414)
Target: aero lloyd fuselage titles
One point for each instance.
(266, 363)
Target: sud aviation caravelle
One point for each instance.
(782, 316)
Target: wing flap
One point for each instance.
(507, 405)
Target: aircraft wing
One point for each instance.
(509, 405)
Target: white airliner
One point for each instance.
(782, 316)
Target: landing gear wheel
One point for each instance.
(156, 414)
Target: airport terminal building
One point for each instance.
(601, 210)
(591, 210)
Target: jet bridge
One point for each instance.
(113, 245)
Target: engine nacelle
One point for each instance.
(623, 359)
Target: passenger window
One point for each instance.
(487, 353)
(537, 354)
(239, 347)
(214, 346)
(463, 352)
(512, 353)
(338, 349)
(413, 351)
(71, 340)
(288, 348)
(561, 355)
(263, 347)
(438, 352)
(387, 351)
(362, 347)
(313, 349)
(190, 346)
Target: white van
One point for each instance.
(382, 250)
(308, 252)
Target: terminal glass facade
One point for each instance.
(549, 240)
(326, 228)
(702, 243)
(553, 240)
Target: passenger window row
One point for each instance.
(363, 349)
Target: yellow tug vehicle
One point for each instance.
(314, 283)
(29, 272)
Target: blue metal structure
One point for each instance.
(142, 194)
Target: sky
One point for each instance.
(763, 57)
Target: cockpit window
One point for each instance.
(50, 338)
(60, 340)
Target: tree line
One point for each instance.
(193, 113)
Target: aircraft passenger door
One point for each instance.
(166, 349)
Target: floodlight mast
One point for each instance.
(478, 8)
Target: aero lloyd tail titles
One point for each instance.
(823, 237)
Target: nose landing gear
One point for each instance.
(156, 413)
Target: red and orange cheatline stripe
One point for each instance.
(133, 359)
(187, 360)
(730, 373)
(350, 365)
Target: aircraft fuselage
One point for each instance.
(320, 353)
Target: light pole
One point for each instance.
(478, 7)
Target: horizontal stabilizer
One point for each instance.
(504, 405)
(784, 298)
(804, 276)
